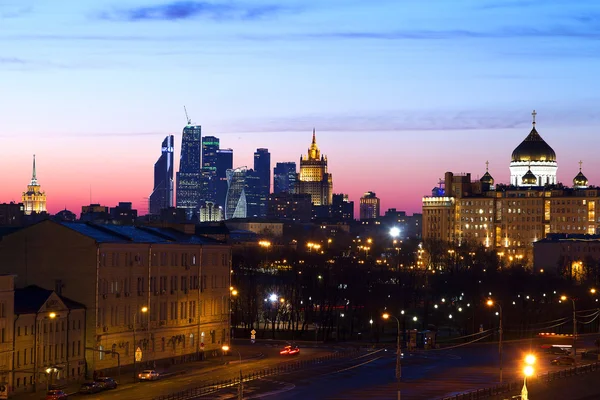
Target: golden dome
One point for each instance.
(533, 148)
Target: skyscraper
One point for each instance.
(284, 177)
(34, 200)
(189, 176)
(369, 206)
(313, 178)
(236, 196)
(262, 169)
(252, 188)
(224, 163)
(210, 146)
(162, 195)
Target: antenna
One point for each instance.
(189, 121)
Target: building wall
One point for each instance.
(7, 308)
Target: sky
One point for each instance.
(399, 91)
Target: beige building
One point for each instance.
(313, 178)
(510, 218)
(157, 291)
(7, 301)
(49, 340)
(34, 200)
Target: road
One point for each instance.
(425, 374)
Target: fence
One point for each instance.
(270, 371)
(486, 393)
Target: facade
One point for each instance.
(289, 206)
(34, 200)
(162, 195)
(235, 203)
(94, 213)
(189, 177)
(267, 228)
(224, 163)
(369, 206)
(49, 340)
(252, 189)
(124, 214)
(7, 306)
(210, 212)
(313, 178)
(284, 177)
(510, 218)
(210, 146)
(574, 255)
(11, 214)
(183, 280)
(342, 209)
(262, 169)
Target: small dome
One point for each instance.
(580, 180)
(487, 178)
(529, 178)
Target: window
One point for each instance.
(18, 359)
(25, 330)
(79, 347)
(101, 352)
(18, 331)
(25, 356)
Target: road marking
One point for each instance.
(355, 366)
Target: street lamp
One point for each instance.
(527, 371)
(226, 348)
(135, 348)
(398, 354)
(491, 303)
(564, 298)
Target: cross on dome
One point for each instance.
(533, 114)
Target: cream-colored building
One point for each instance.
(49, 340)
(34, 200)
(313, 177)
(7, 299)
(510, 218)
(180, 280)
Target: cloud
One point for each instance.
(181, 10)
(7, 12)
(13, 61)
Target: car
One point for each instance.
(90, 387)
(558, 350)
(563, 360)
(106, 383)
(148, 375)
(590, 355)
(290, 350)
(55, 394)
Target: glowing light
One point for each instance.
(528, 370)
(273, 297)
(395, 232)
(530, 359)
(225, 348)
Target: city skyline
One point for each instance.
(413, 90)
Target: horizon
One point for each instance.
(398, 93)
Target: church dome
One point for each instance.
(487, 178)
(533, 148)
(529, 178)
(580, 180)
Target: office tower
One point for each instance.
(262, 168)
(210, 212)
(284, 177)
(162, 195)
(210, 146)
(313, 178)
(235, 202)
(342, 209)
(224, 163)
(252, 188)
(34, 200)
(369, 206)
(189, 175)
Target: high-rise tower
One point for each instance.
(34, 200)
(284, 177)
(236, 195)
(210, 146)
(262, 169)
(224, 163)
(313, 178)
(369, 206)
(189, 177)
(162, 195)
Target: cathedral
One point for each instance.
(511, 217)
(34, 200)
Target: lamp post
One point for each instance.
(39, 337)
(225, 349)
(564, 298)
(527, 371)
(143, 310)
(398, 354)
(492, 303)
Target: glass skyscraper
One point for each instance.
(262, 169)
(189, 177)
(224, 163)
(284, 177)
(210, 146)
(252, 188)
(162, 195)
(235, 206)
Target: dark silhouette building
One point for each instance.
(189, 177)
(342, 209)
(210, 146)
(252, 189)
(224, 163)
(284, 177)
(290, 206)
(123, 214)
(369, 206)
(162, 195)
(262, 169)
(11, 214)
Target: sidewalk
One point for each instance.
(164, 368)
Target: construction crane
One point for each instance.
(189, 121)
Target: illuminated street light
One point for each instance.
(530, 359)
(273, 297)
(52, 315)
(415, 319)
(398, 353)
(593, 291)
(234, 292)
(491, 303)
(395, 232)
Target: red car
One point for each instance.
(55, 395)
(290, 350)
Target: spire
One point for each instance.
(314, 141)
(33, 177)
(533, 114)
